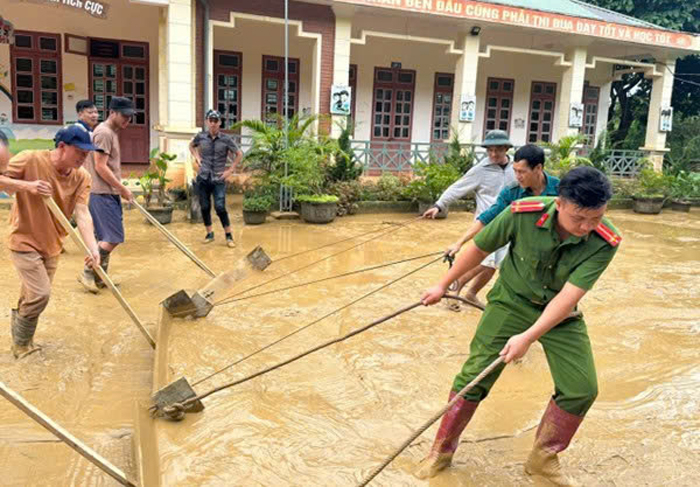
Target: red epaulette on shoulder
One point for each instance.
(608, 235)
(526, 206)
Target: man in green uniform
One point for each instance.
(559, 247)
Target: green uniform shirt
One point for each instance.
(539, 263)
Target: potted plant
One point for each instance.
(432, 179)
(683, 187)
(255, 209)
(155, 178)
(654, 188)
(318, 208)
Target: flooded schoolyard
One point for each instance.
(332, 417)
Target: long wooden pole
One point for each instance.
(428, 423)
(58, 214)
(70, 440)
(174, 240)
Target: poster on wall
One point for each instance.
(467, 108)
(7, 32)
(340, 99)
(576, 115)
(666, 119)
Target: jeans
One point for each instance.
(206, 188)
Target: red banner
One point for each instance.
(502, 14)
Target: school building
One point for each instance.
(413, 69)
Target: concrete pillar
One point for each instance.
(341, 62)
(603, 107)
(176, 69)
(655, 142)
(180, 64)
(570, 91)
(466, 72)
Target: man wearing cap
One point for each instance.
(211, 150)
(107, 188)
(532, 180)
(485, 180)
(36, 238)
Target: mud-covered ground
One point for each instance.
(332, 417)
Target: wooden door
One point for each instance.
(542, 98)
(591, 94)
(120, 68)
(392, 119)
(273, 88)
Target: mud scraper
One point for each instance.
(200, 303)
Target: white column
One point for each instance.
(180, 62)
(341, 63)
(603, 107)
(570, 91)
(162, 69)
(176, 67)
(466, 72)
(655, 142)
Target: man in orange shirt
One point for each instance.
(4, 152)
(36, 238)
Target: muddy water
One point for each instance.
(331, 417)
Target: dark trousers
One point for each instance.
(206, 188)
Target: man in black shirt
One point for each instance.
(211, 150)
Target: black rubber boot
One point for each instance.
(23, 330)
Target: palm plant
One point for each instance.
(345, 168)
(306, 155)
(269, 144)
(562, 155)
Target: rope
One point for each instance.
(384, 286)
(176, 411)
(337, 276)
(398, 227)
(432, 420)
(328, 245)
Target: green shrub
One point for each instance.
(562, 157)
(257, 203)
(685, 186)
(300, 163)
(431, 181)
(625, 187)
(317, 198)
(387, 188)
(684, 143)
(348, 193)
(344, 167)
(653, 184)
(462, 159)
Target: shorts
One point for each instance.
(494, 259)
(106, 212)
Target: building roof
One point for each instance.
(577, 8)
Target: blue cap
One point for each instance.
(76, 135)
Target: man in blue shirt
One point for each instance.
(528, 167)
(88, 116)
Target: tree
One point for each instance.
(630, 96)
